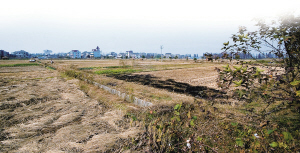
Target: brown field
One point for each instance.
(114, 62)
(13, 61)
(199, 76)
(44, 110)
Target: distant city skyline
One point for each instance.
(117, 26)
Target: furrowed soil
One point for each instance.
(43, 112)
(199, 76)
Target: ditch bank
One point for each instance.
(126, 97)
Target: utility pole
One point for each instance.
(161, 47)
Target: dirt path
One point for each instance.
(42, 112)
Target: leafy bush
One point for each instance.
(276, 88)
(182, 128)
(171, 130)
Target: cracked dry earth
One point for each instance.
(42, 112)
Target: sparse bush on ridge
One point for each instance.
(273, 86)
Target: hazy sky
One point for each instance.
(120, 25)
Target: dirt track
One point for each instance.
(43, 112)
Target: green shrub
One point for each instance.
(277, 91)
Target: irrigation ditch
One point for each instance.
(126, 97)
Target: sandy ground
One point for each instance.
(43, 112)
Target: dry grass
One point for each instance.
(43, 112)
(116, 62)
(46, 111)
(154, 95)
(13, 61)
(20, 69)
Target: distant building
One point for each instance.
(168, 55)
(136, 55)
(188, 55)
(143, 54)
(96, 52)
(3, 54)
(86, 54)
(21, 54)
(129, 53)
(113, 54)
(62, 55)
(160, 55)
(150, 55)
(122, 55)
(75, 54)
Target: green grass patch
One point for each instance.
(117, 71)
(19, 65)
(114, 67)
(107, 67)
(50, 68)
(88, 68)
